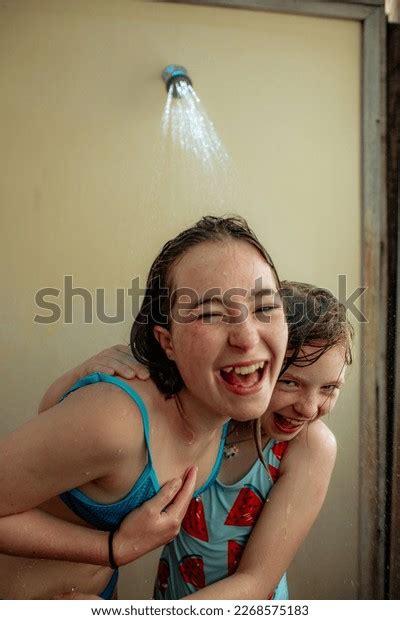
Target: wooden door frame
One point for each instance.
(393, 182)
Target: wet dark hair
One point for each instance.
(316, 319)
(159, 296)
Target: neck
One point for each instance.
(198, 422)
(242, 431)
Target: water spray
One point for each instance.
(174, 76)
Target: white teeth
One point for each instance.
(244, 370)
(290, 421)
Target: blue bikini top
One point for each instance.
(109, 516)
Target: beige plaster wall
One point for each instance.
(84, 189)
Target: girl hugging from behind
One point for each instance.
(238, 539)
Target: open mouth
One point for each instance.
(286, 425)
(243, 377)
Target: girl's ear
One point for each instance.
(163, 337)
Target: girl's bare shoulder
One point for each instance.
(116, 399)
(315, 444)
(315, 435)
(153, 399)
(108, 412)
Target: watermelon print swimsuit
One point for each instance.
(215, 530)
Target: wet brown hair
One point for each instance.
(317, 319)
(159, 297)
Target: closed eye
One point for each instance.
(209, 317)
(266, 308)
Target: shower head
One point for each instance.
(172, 75)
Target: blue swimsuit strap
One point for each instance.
(217, 465)
(99, 377)
(108, 591)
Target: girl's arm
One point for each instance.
(36, 534)
(292, 507)
(67, 447)
(117, 360)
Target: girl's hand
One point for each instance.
(156, 522)
(117, 360)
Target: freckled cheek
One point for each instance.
(279, 401)
(192, 347)
(276, 334)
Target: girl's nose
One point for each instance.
(308, 407)
(243, 335)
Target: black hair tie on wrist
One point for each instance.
(111, 558)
